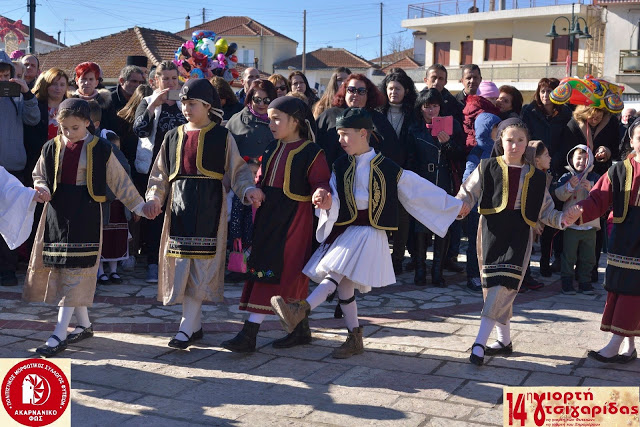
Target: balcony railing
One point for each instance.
(630, 61)
(457, 7)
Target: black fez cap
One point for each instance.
(201, 90)
(354, 118)
(299, 110)
(78, 105)
(139, 61)
(513, 121)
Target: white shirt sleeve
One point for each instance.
(16, 209)
(328, 217)
(427, 203)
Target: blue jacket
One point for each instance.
(483, 125)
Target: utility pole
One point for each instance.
(203, 15)
(32, 26)
(65, 29)
(380, 34)
(304, 41)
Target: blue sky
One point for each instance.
(329, 22)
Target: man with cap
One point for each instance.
(187, 174)
(366, 188)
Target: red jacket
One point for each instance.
(475, 105)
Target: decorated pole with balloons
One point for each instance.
(205, 56)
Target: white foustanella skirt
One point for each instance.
(360, 253)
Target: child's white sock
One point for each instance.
(64, 317)
(346, 293)
(113, 267)
(190, 309)
(613, 347)
(503, 333)
(628, 346)
(82, 317)
(257, 318)
(486, 326)
(323, 290)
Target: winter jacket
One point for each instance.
(34, 138)
(605, 134)
(104, 100)
(550, 130)
(15, 113)
(251, 133)
(484, 143)
(475, 105)
(572, 196)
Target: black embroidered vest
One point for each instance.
(494, 175)
(383, 191)
(621, 178)
(296, 182)
(98, 153)
(210, 157)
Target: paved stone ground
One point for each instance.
(414, 372)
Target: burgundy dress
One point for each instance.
(622, 310)
(293, 284)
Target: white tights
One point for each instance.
(191, 317)
(346, 290)
(64, 318)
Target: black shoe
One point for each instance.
(438, 281)
(474, 285)
(567, 288)
(555, 267)
(626, 359)
(476, 360)
(197, 335)
(545, 270)
(600, 358)
(586, 288)
(503, 349)
(103, 279)
(532, 284)
(245, 341)
(301, 335)
(411, 265)
(450, 264)
(594, 276)
(9, 278)
(46, 351)
(420, 276)
(179, 344)
(86, 333)
(115, 278)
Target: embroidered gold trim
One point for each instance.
(628, 178)
(176, 166)
(266, 169)
(287, 175)
(505, 190)
(502, 273)
(199, 153)
(56, 161)
(523, 197)
(69, 254)
(172, 255)
(349, 177)
(90, 146)
(258, 307)
(378, 195)
(605, 328)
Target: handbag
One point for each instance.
(237, 258)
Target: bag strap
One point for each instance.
(237, 245)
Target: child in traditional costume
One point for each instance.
(17, 205)
(74, 171)
(512, 197)
(366, 188)
(188, 173)
(294, 173)
(620, 188)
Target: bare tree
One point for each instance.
(396, 45)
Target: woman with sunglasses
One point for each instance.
(358, 91)
(250, 127)
(299, 83)
(281, 84)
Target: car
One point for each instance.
(589, 91)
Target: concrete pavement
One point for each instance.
(414, 372)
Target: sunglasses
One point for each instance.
(258, 100)
(282, 88)
(358, 90)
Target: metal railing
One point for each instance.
(457, 7)
(630, 61)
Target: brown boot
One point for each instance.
(290, 314)
(352, 346)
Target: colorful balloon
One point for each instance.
(233, 47)
(206, 46)
(197, 73)
(222, 46)
(589, 91)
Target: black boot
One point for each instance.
(245, 341)
(420, 277)
(440, 246)
(301, 335)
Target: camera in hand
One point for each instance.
(173, 95)
(9, 89)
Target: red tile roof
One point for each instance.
(40, 35)
(405, 63)
(234, 26)
(110, 52)
(327, 57)
(392, 57)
